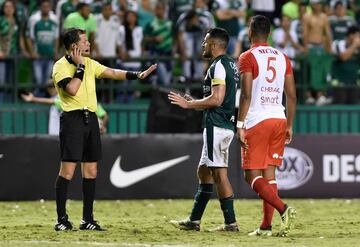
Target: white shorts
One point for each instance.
(215, 151)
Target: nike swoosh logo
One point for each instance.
(122, 179)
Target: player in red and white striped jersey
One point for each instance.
(262, 127)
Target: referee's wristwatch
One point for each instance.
(240, 124)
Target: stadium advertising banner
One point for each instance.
(164, 166)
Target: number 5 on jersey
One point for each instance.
(272, 69)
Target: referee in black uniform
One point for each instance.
(74, 78)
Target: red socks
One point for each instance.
(267, 193)
(268, 210)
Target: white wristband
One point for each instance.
(240, 124)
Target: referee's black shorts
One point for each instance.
(79, 137)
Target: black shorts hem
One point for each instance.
(75, 161)
(69, 160)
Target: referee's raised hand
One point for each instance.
(76, 55)
(147, 72)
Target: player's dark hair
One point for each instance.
(219, 34)
(338, 3)
(260, 26)
(160, 4)
(81, 5)
(105, 4)
(352, 30)
(71, 36)
(44, 1)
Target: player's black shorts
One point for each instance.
(79, 136)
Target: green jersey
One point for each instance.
(345, 72)
(145, 17)
(21, 14)
(77, 21)
(232, 26)
(223, 70)
(67, 8)
(8, 36)
(33, 6)
(44, 35)
(161, 28)
(57, 103)
(96, 7)
(340, 25)
(178, 7)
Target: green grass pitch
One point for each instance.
(334, 222)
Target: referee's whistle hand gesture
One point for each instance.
(147, 72)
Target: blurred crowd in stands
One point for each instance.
(321, 37)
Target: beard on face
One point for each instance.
(207, 54)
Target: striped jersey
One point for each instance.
(268, 67)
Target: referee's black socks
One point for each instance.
(88, 189)
(61, 188)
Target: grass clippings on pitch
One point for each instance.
(145, 223)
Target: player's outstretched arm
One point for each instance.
(147, 72)
(31, 98)
(118, 74)
(214, 100)
(178, 99)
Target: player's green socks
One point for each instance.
(202, 197)
(227, 206)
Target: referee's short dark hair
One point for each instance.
(219, 34)
(260, 26)
(71, 36)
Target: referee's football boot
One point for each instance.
(186, 224)
(91, 225)
(287, 221)
(261, 232)
(63, 224)
(233, 227)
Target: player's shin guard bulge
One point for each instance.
(227, 207)
(266, 192)
(268, 210)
